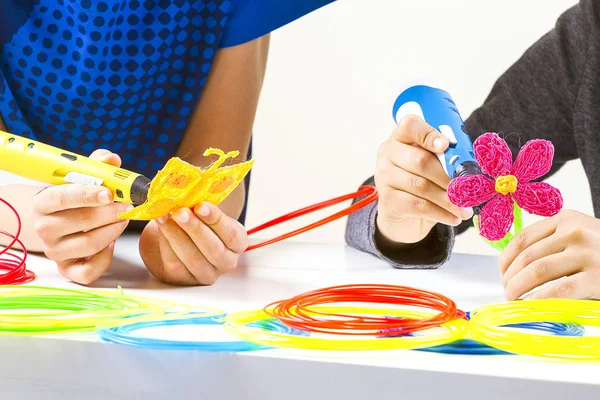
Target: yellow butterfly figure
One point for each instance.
(180, 184)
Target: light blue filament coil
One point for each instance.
(123, 335)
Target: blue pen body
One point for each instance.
(438, 109)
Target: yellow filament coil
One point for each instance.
(486, 322)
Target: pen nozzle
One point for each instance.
(467, 168)
(139, 190)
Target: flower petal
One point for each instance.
(493, 154)
(534, 160)
(496, 218)
(471, 190)
(539, 198)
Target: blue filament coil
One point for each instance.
(123, 335)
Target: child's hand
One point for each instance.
(565, 245)
(193, 247)
(78, 226)
(412, 183)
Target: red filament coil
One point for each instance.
(17, 272)
(300, 312)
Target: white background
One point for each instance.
(333, 77)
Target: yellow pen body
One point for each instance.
(47, 164)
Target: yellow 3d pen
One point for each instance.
(46, 164)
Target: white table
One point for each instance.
(83, 367)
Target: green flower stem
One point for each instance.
(501, 244)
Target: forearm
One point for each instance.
(20, 197)
(223, 118)
(232, 206)
(225, 113)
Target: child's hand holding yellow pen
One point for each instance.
(78, 225)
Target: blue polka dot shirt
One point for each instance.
(123, 75)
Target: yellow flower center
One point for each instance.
(506, 184)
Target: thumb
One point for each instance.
(414, 130)
(107, 157)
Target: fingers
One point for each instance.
(65, 197)
(409, 205)
(416, 161)
(539, 272)
(523, 240)
(423, 188)
(78, 225)
(414, 130)
(84, 244)
(560, 251)
(230, 231)
(412, 183)
(206, 240)
(198, 245)
(411, 170)
(63, 223)
(106, 157)
(161, 261)
(188, 252)
(172, 270)
(578, 286)
(535, 252)
(87, 271)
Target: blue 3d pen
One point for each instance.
(437, 108)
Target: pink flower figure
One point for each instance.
(510, 182)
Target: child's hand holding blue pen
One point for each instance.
(412, 184)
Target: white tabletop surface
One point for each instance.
(84, 367)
